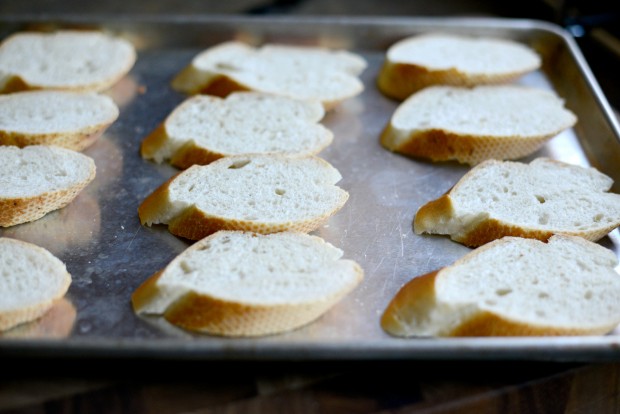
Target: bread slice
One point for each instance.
(443, 123)
(300, 72)
(205, 128)
(66, 119)
(65, 59)
(38, 179)
(535, 200)
(236, 283)
(513, 287)
(259, 193)
(416, 62)
(31, 281)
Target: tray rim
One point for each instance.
(605, 348)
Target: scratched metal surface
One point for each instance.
(109, 253)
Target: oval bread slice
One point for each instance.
(259, 193)
(205, 128)
(513, 287)
(299, 72)
(246, 284)
(416, 62)
(535, 200)
(37, 179)
(66, 59)
(31, 281)
(65, 119)
(443, 123)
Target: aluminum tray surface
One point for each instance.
(109, 253)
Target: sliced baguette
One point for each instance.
(300, 72)
(246, 284)
(65, 119)
(38, 179)
(506, 122)
(205, 128)
(535, 200)
(66, 59)
(513, 287)
(259, 193)
(416, 62)
(31, 281)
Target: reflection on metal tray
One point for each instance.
(109, 253)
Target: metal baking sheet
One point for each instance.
(109, 253)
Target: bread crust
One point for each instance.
(17, 83)
(15, 211)
(439, 215)
(417, 297)
(400, 80)
(14, 317)
(416, 300)
(195, 224)
(441, 145)
(73, 140)
(208, 314)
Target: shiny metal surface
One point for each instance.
(109, 253)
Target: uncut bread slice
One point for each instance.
(535, 200)
(66, 119)
(37, 179)
(417, 62)
(205, 128)
(31, 281)
(260, 193)
(246, 284)
(300, 72)
(504, 122)
(65, 59)
(513, 287)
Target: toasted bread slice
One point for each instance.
(66, 59)
(506, 122)
(259, 193)
(38, 179)
(299, 72)
(205, 128)
(535, 200)
(416, 62)
(31, 281)
(64, 119)
(246, 284)
(513, 287)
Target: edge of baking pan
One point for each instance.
(559, 348)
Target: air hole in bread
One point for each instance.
(280, 191)
(540, 199)
(543, 295)
(191, 188)
(540, 313)
(250, 218)
(490, 302)
(186, 268)
(204, 247)
(598, 218)
(226, 66)
(543, 219)
(503, 291)
(238, 164)
(588, 295)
